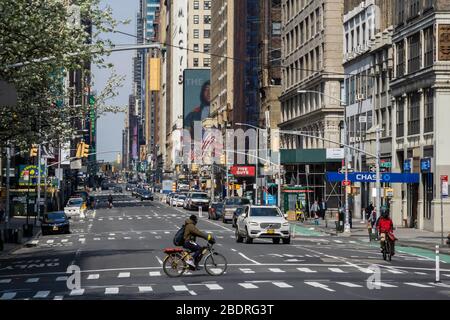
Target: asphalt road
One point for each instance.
(119, 253)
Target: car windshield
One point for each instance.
(217, 205)
(264, 212)
(199, 196)
(237, 201)
(54, 215)
(182, 197)
(75, 202)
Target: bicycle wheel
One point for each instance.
(389, 250)
(385, 251)
(215, 264)
(174, 265)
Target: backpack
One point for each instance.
(178, 239)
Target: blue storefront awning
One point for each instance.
(372, 177)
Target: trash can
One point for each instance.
(28, 230)
(19, 236)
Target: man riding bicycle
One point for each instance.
(191, 232)
(385, 226)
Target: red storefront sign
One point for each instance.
(242, 171)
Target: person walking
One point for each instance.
(314, 209)
(322, 209)
(369, 210)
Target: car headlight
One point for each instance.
(254, 224)
(286, 224)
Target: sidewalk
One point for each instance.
(407, 237)
(17, 223)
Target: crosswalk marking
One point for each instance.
(127, 238)
(307, 270)
(5, 280)
(447, 275)
(58, 298)
(111, 238)
(124, 275)
(96, 239)
(278, 270)
(338, 241)
(248, 285)
(282, 284)
(349, 284)
(180, 288)
(93, 276)
(64, 240)
(421, 273)
(337, 270)
(319, 285)
(64, 278)
(440, 285)
(145, 289)
(77, 292)
(247, 270)
(50, 241)
(418, 285)
(111, 290)
(42, 294)
(213, 287)
(395, 271)
(382, 284)
(32, 280)
(8, 296)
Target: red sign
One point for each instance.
(346, 183)
(242, 171)
(444, 178)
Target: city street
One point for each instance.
(120, 251)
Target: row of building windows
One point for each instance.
(359, 30)
(306, 66)
(206, 34)
(206, 5)
(412, 60)
(411, 9)
(206, 62)
(292, 7)
(303, 32)
(301, 104)
(206, 47)
(206, 19)
(413, 101)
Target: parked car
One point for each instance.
(75, 207)
(146, 195)
(196, 200)
(169, 197)
(178, 200)
(55, 222)
(262, 222)
(130, 187)
(215, 210)
(118, 189)
(231, 205)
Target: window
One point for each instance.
(400, 117)
(207, 5)
(318, 21)
(196, 19)
(196, 47)
(428, 184)
(414, 114)
(430, 50)
(196, 33)
(196, 5)
(195, 62)
(206, 47)
(400, 11)
(276, 28)
(429, 110)
(207, 19)
(400, 59)
(207, 33)
(414, 8)
(206, 62)
(414, 61)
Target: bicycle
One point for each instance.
(175, 265)
(387, 247)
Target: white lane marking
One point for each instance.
(58, 298)
(127, 238)
(154, 273)
(282, 284)
(8, 296)
(234, 250)
(42, 294)
(93, 276)
(159, 260)
(418, 285)
(309, 256)
(352, 241)
(62, 278)
(112, 234)
(447, 275)
(145, 289)
(394, 271)
(319, 285)
(382, 284)
(5, 280)
(247, 258)
(440, 285)
(338, 241)
(111, 290)
(96, 239)
(166, 232)
(421, 273)
(111, 238)
(307, 270)
(245, 270)
(192, 293)
(64, 240)
(213, 287)
(349, 284)
(337, 270)
(50, 241)
(32, 280)
(180, 288)
(124, 275)
(278, 270)
(77, 292)
(248, 285)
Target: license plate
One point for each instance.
(55, 228)
(270, 231)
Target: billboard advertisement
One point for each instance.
(196, 102)
(243, 171)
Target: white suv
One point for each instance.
(262, 222)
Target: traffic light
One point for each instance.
(85, 150)
(34, 151)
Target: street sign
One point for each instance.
(425, 165)
(362, 119)
(346, 183)
(407, 165)
(372, 177)
(342, 170)
(444, 187)
(386, 164)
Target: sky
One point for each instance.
(110, 126)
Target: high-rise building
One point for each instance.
(312, 61)
(420, 91)
(152, 6)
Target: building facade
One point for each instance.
(421, 91)
(312, 61)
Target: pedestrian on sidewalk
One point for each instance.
(314, 209)
(322, 208)
(369, 210)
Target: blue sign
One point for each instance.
(407, 166)
(425, 165)
(270, 199)
(372, 177)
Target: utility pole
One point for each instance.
(8, 168)
(257, 166)
(377, 165)
(347, 217)
(226, 159)
(39, 186)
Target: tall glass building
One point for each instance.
(152, 7)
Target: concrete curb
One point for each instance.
(18, 246)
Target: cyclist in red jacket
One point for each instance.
(386, 226)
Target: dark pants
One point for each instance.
(195, 248)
